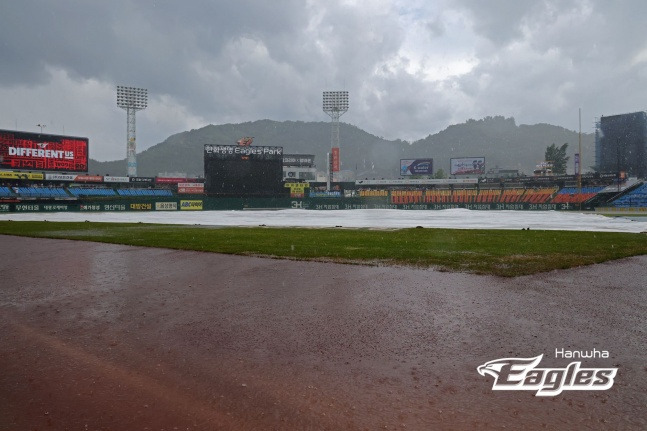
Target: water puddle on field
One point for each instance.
(77, 233)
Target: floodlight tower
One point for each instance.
(132, 100)
(335, 104)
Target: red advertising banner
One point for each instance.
(190, 188)
(23, 150)
(335, 159)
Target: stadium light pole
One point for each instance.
(618, 160)
(41, 127)
(131, 99)
(335, 104)
(579, 155)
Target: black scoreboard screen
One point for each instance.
(235, 170)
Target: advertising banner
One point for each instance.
(73, 177)
(89, 178)
(325, 194)
(114, 207)
(102, 207)
(236, 151)
(298, 160)
(190, 205)
(416, 181)
(27, 208)
(190, 188)
(24, 150)
(165, 206)
(21, 175)
(141, 206)
(410, 167)
(467, 166)
(55, 207)
(297, 190)
(170, 180)
(60, 177)
(335, 159)
(142, 179)
(109, 179)
(90, 207)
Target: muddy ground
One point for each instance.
(108, 337)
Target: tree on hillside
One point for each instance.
(557, 155)
(440, 174)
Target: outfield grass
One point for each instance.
(500, 252)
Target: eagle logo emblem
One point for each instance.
(523, 374)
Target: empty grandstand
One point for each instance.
(573, 195)
(373, 193)
(144, 192)
(539, 196)
(636, 198)
(5, 192)
(473, 195)
(41, 192)
(106, 193)
(91, 191)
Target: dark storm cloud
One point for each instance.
(412, 67)
(541, 59)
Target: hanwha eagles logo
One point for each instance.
(522, 374)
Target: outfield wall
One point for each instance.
(205, 203)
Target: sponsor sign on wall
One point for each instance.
(417, 181)
(89, 178)
(186, 205)
(467, 166)
(410, 167)
(21, 175)
(60, 177)
(325, 194)
(27, 207)
(78, 178)
(170, 180)
(141, 206)
(190, 188)
(165, 206)
(55, 207)
(142, 179)
(298, 160)
(24, 150)
(102, 207)
(297, 190)
(109, 179)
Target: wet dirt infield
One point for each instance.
(108, 337)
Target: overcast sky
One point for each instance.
(412, 67)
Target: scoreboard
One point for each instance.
(38, 151)
(240, 171)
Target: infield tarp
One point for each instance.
(377, 219)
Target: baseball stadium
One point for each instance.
(250, 298)
(37, 178)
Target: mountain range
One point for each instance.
(500, 140)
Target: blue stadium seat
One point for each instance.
(635, 199)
